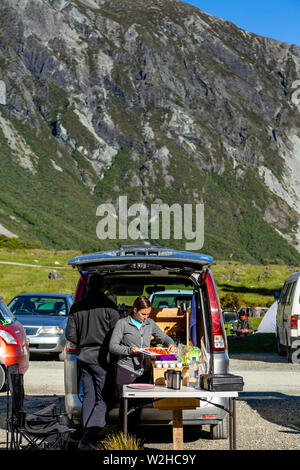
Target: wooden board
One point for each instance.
(170, 320)
(177, 429)
(177, 403)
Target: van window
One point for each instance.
(284, 293)
(291, 293)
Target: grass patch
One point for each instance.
(117, 441)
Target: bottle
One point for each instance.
(193, 373)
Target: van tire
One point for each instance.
(289, 353)
(2, 377)
(220, 430)
(280, 348)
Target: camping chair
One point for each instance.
(42, 429)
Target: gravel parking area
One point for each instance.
(268, 410)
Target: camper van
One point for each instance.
(288, 319)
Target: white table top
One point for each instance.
(184, 392)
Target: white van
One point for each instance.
(288, 319)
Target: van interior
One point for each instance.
(174, 320)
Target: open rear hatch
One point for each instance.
(141, 259)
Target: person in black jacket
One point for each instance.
(90, 324)
(243, 327)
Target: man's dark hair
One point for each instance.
(96, 281)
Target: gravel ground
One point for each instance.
(268, 410)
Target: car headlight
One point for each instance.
(8, 338)
(50, 330)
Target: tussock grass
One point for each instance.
(117, 441)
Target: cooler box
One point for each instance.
(221, 382)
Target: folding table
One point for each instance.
(160, 392)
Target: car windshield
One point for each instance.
(6, 317)
(38, 305)
(170, 300)
(230, 317)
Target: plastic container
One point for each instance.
(170, 357)
(193, 373)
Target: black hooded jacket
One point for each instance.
(90, 324)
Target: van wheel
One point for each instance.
(220, 430)
(279, 347)
(289, 353)
(2, 378)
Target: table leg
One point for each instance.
(232, 424)
(125, 416)
(177, 430)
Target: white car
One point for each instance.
(288, 319)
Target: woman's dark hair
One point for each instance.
(141, 302)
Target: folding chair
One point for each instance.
(42, 429)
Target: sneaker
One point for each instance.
(84, 445)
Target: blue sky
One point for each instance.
(277, 19)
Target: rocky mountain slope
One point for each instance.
(156, 100)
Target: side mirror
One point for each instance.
(277, 294)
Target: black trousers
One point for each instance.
(94, 406)
(125, 377)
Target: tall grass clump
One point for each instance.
(118, 441)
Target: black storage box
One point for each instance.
(221, 382)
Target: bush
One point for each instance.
(117, 441)
(231, 301)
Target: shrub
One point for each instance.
(117, 441)
(231, 301)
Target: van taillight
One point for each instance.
(219, 342)
(71, 347)
(294, 321)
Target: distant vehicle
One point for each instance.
(44, 317)
(230, 316)
(288, 317)
(14, 347)
(171, 298)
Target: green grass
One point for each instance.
(15, 279)
(254, 283)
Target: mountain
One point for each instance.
(155, 100)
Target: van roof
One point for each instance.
(293, 276)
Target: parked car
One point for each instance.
(14, 347)
(44, 317)
(288, 317)
(133, 272)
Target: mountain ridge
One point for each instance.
(155, 100)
